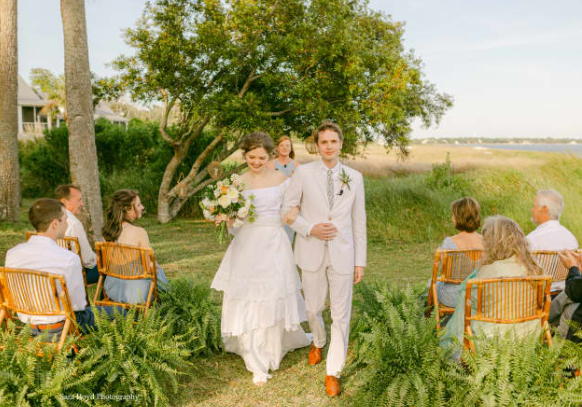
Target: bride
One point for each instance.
(262, 305)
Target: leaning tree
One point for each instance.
(231, 66)
(9, 170)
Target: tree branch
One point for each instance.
(198, 163)
(248, 82)
(281, 113)
(168, 105)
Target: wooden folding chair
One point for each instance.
(37, 293)
(508, 300)
(550, 262)
(70, 243)
(455, 266)
(128, 263)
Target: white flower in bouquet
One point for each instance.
(243, 212)
(224, 201)
(208, 215)
(216, 193)
(238, 223)
(234, 178)
(233, 194)
(248, 204)
(206, 202)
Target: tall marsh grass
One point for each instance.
(415, 208)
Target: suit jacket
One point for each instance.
(308, 190)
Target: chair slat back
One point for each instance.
(70, 243)
(550, 262)
(33, 292)
(124, 261)
(508, 300)
(456, 265)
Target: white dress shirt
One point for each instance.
(75, 229)
(551, 235)
(43, 254)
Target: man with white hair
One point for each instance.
(550, 234)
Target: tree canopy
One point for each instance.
(233, 66)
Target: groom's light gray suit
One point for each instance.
(329, 263)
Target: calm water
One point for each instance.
(575, 149)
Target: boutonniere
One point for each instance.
(345, 179)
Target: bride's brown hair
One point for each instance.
(257, 139)
(116, 213)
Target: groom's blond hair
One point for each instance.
(329, 126)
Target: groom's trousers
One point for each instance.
(315, 289)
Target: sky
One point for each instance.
(514, 68)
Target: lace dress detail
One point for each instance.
(262, 304)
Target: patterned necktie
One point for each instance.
(330, 189)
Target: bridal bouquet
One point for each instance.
(224, 201)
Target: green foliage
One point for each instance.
(191, 307)
(136, 356)
(134, 158)
(402, 364)
(27, 379)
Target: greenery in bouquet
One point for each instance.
(224, 201)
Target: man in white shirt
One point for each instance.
(70, 197)
(41, 252)
(550, 234)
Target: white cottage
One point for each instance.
(32, 123)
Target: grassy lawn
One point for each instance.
(187, 247)
(407, 217)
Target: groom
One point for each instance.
(330, 247)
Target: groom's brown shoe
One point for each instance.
(332, 386)
(314, 355)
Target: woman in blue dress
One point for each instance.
(124, 209)
(285, 162)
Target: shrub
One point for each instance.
(136, 356)
(188, 306)
(51, 379)
(402, 363)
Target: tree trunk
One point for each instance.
(9, 170)
(82, 150)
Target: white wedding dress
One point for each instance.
(262, 306)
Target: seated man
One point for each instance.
(550, 234)
(566, 306)
(41, 252)
(70, 197)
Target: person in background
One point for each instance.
(70, 197)
(42, 253)
(505, 254)
(565, 308)
(284, 161)
(550, 234)
(123, 210)
(466, 216)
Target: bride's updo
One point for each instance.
(257, 139)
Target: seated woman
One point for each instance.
(467, 219)
(505, 254)
(565, 311)
(124, 209)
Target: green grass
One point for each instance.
(407, 218)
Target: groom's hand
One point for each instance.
(324, 231)
(358, 274)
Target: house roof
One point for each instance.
(27, 96)
(103, 110)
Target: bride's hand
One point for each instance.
(224, 218)
(291, 216)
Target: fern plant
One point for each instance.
(402, 364)
(136, 357)
(32, 373)
(189, 306)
